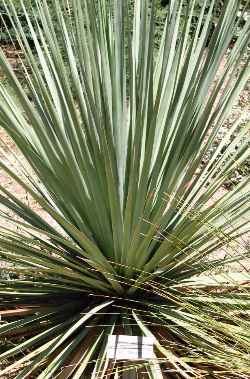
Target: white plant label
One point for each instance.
(131, 348)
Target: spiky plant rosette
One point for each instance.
(122, 226)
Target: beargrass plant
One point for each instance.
(122, 229)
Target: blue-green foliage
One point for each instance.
(7, 31)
